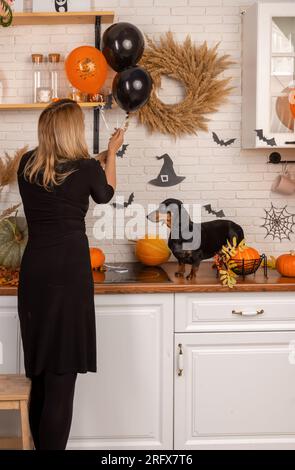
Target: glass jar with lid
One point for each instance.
(55, 74)
(42, 91)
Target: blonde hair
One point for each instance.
(61, 135)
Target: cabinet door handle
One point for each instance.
(248, 314)
(180, 360)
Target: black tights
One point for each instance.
(51, 409)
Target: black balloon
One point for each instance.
(123, 45)
(132, 88)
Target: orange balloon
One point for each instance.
(284, 113)
(86, 69)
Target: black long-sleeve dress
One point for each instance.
(56, 293)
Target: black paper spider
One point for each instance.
(278, 223)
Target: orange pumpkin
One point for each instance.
(97, 258)
(285, 264)
(246, 254)
(152, 251)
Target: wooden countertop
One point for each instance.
(206, 281)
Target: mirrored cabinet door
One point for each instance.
(282, 75)
(268, 75)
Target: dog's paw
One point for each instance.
(191, 276)
(179, 274)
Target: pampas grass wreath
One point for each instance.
(198, 68)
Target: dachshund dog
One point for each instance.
(192, 242)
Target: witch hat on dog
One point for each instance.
(167, 175)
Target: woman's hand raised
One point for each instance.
(116, 141)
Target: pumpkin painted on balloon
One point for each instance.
(86, 69)
(123, 47)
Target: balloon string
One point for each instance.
(126, 122)
(104, 119)
(124, 125)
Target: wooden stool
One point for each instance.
(14, 395)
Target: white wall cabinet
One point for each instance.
(128, 404)
(268, 74)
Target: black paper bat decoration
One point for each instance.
(122, 150)
(222, 143)
(218, 214)
(126, 204)
(262, 137)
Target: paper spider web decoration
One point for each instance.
(278, 223)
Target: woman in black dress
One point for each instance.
(56, 292)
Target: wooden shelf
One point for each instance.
(24, 106)
(50, 18)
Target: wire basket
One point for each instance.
(244, 267)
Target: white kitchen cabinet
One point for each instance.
(236, 391)
(128, 403)
(268, 74)
(9, 336)
(9, 357)
(237, 387)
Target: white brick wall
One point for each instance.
(228, 178)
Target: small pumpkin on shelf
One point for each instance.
(152, 250)
(285, 264)
(97, 258)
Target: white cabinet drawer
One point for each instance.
(234, 311)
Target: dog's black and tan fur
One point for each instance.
(213, 235)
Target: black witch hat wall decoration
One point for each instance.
(167, 176)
